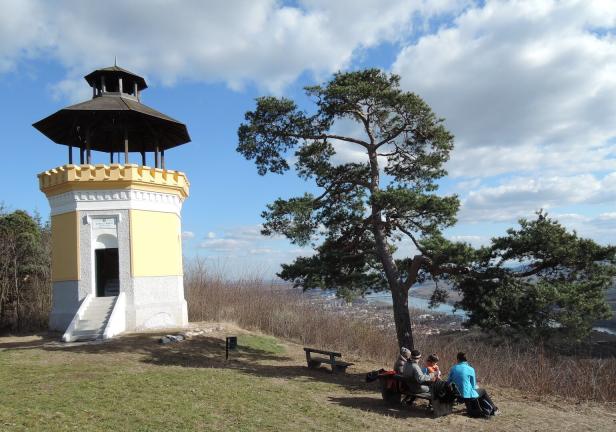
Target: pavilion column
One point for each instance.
(70, 154)
(81, 159)
(88, 144)
(143, 158)
(156, 155)
(111, 157)
(125, 146)
(162, 158)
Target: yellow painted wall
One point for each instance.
(156, 245)
(65, 247)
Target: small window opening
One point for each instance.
(112, 85)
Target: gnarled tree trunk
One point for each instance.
(399, 295)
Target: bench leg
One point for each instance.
(314, 364)
(339, 368)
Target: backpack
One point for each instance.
(374, 375)
(446, 392)
(479, 407)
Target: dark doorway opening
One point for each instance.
(107, 272)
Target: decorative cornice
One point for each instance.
(115, 199)
(112, 177)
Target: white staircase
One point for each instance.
(93, 321)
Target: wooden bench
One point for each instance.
(315, 362)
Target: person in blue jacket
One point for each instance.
(463, 376)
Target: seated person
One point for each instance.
(405, 353)
(418, 381)
(432, 366)
(463, 376)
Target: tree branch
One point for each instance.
(330, 136)
(534, 270)
(367, 127)
(448, 269)
(388, 154)
(415, 242)
(391, 137)
(416, 263)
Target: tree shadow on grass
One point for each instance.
(33, 340)
(199, 351)
(202, 352)
(349, 381)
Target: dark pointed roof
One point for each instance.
(93, 78)
(108, 116)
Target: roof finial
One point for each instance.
(115, 60)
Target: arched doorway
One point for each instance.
(107, 266)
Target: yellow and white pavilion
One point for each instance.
(116, 227)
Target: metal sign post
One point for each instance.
(230, 344)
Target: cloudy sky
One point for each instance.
(527, 87)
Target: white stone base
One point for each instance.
(151, 302)
(156, 302)
(66, 300)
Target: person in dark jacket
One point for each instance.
(418, 381)
(463, 376)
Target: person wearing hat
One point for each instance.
(405, 354)
(418, 381)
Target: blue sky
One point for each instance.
(527, 88)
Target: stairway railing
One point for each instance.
(68, 333)
(116, 323)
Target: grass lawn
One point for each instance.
(135, 384)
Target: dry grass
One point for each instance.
(252, 304)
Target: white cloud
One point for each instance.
(601, 228)
(22, 32)
(522, 196)
(187, 235)
(237, 42)
(223, 245)
(473, 240)
(525, 86)
(467, 185)
(75, 90)
(262, 251)
(245, 239)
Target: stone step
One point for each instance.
(98, 311)
(90, 325)
(103, 300)
(81, 335)
(96, 315)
